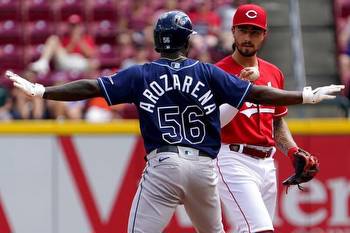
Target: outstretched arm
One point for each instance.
(76, 90)
(83, 89)
(274, 96)
(278, 97)
(72, 91)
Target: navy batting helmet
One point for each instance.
(172, 31)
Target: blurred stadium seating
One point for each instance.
(122, 27)
(10, 10)
(26, 24)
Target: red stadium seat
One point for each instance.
(37, 32)
(39, 10)
(10, 32)
(345, 10)
(10, 9)
(104, 32)
(71, 7)
(11, 57)
(103, 10)
(108, 57)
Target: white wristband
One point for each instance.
(38, 90)
(308, 95)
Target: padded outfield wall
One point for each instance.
(75, 177)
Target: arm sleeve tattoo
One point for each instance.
(283, 136)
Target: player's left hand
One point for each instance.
(321, 93)
(31, 89)
(306, 167)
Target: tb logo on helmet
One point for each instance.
(181, 20)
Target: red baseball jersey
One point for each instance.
(253, 124)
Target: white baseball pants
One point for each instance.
(171, 179)
(248, 190)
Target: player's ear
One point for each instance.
(265, 33)
(233, 29)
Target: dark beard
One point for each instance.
(246, 54)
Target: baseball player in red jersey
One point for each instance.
(245, 162)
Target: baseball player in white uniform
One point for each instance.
(245, 163)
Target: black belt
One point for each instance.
(175, 149)
(252, 152)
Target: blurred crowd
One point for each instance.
(53, 42)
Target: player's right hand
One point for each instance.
(31, 89)
(321, 93)
(249, 73)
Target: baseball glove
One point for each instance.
(306, 166)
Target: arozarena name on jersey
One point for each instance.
(173, 83)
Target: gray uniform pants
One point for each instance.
(171, 179)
